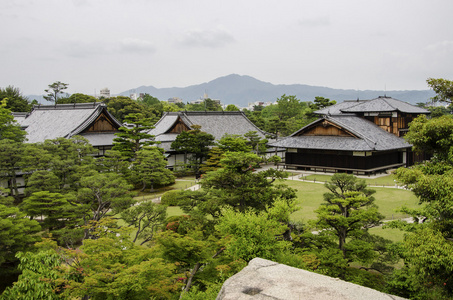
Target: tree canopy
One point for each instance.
(54, 91)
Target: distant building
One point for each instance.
(252, 105)
(133, 96)
(174, 100)
(105, 92)
(198, 101)
(205, 96)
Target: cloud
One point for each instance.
(136, 46)
(214, 38)
(83, 49)
(86, 49)
(444, 47)
(315, 22)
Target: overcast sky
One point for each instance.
(119, 44)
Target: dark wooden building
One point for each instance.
(361, 137)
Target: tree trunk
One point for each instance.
(342, 242)
(190, 279)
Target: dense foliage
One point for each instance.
(77, 232)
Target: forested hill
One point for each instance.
(241, 90)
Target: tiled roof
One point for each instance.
(100, 139)
(381, 104)
(369, 137)
(386, 104)
(62, 120)
(337, 108)
(217, 123)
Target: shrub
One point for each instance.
(171, 198)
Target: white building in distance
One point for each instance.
(105, 92)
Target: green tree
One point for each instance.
(101, 194)
(54, 207)
(15, 101)
(9, 129)
(348, 212)
(17, 233)
(190, 252)
(237, 186)
(42, 180)
(72, 159)
(234, 143)
(213, 162)
(232, 107)
(288, 107)
(122, 106)
(134, 135)
(438, 111)
(443, 89)
(275, 126)
(432, 136)
(428, 239)
(149, 169)
(255, 142)
(172, 106)
(112, 267)
(252, 235)
(146, 218)
(321, 102)
(149, 100)
(10, 157)
(54, 91)
(196, 143)
(78, 98)
(115, 162)
(256, 118)
(39, 274)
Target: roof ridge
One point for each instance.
(85, 123)
(365, 138)
(385, 99)
(87, 105)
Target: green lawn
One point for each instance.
(388, 180)
(174, 211)
(310, 196)
(180, 184)
(393, 234)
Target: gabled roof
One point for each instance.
(336, 109)
(62, 120)
(380, 104)
(217, 123)
(365, 136)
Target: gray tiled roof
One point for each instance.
(337, 108)
(369, 137)
(381, 104)
(63, 120)
(217, 123)
(100, 139)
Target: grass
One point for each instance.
(393, 234)
(310, 196)
(180, 184)
(388, 180)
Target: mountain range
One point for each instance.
(241, 90)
